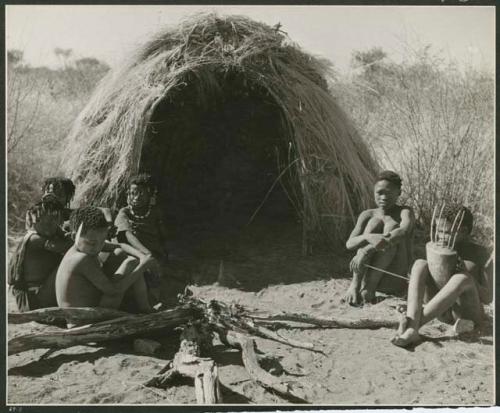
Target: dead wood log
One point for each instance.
(75, 315)
(236, 319)
(106, 330)
(362, 323)
(288, 389)
(196, 338)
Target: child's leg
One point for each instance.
(153, 284)
(469, 307)
(457, 285)
(111, 301)
(352, 295)
(140, 291)
(408, 329)
(382, 260)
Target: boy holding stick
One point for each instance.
(383, 240)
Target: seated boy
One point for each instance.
(80, 280)
(460, 298)
(33, 265)
(383, 239)
(140, 225)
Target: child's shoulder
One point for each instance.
(367, 213)
(76, 257)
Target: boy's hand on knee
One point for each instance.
(359, 260)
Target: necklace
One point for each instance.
(140, 216)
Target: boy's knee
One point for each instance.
(419, 266)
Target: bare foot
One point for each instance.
(409, 336)
(158, 307)
(351, 297)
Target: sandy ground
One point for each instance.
(359, 366)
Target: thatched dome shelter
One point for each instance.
(222, 110)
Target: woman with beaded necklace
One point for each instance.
(140, 225)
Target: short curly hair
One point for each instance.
(450, 211)
(91, 218)
(60, 182)
(48, 205)
(143, 179)
(391, 177)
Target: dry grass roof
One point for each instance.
(335, 168)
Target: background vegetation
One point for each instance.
(422, 117)
(42, 103)
(430, 122)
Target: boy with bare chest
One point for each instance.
(80, 279)
(383, 240)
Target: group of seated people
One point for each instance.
(81, 258)
(383, 240)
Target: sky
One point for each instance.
(465, 34)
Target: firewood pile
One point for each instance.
(200, 321)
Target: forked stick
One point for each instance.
(438, 221)
(458, 229)
(453, 229)
(432, 221)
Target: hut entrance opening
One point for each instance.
(217, 145)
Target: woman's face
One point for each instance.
(58, 192)
(386, 194)
(138, 196)
(91, 241)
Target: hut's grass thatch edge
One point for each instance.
(336, 170)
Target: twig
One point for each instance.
(452, 229)
(270, 190)
(458, 229)
(432, 222)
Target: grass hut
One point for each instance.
(235, 121)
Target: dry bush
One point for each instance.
(431, 123)
(41, 106)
